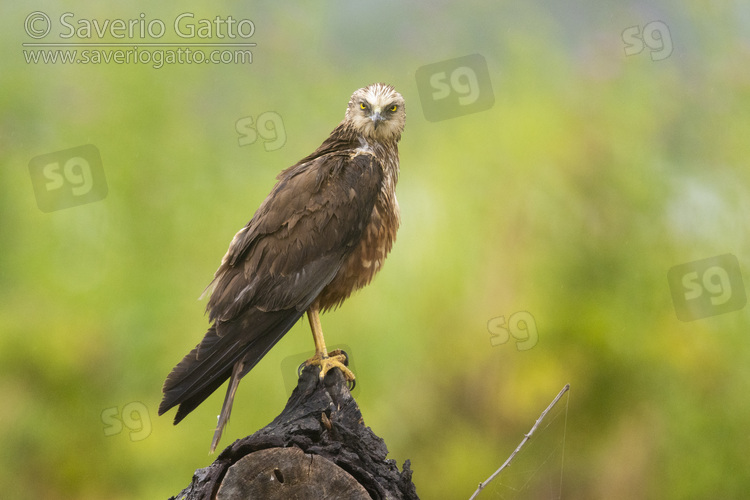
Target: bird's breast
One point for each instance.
(369, 253)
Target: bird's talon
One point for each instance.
(350, 382)
(340, 354)
(334, 359)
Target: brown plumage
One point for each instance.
(322, 233)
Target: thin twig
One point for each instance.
(526, 438)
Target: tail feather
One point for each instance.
(199, 374)
(192, 402)
(226, 408)
(232, 351)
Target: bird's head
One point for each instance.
(377, 112)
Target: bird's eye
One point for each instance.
(393, 108)
(362, 105)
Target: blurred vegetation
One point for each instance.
(570, 198)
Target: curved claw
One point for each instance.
(334, 359)
(350, 382)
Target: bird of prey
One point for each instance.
(322, 233)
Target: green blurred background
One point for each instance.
(592, 173)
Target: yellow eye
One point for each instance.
(362, 105)
(393, 108)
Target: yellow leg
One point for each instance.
(323, 358)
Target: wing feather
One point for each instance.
(304, 228)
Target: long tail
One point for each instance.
(229, 352)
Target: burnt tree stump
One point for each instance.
(318, 447)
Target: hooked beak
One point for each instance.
(376, 118)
